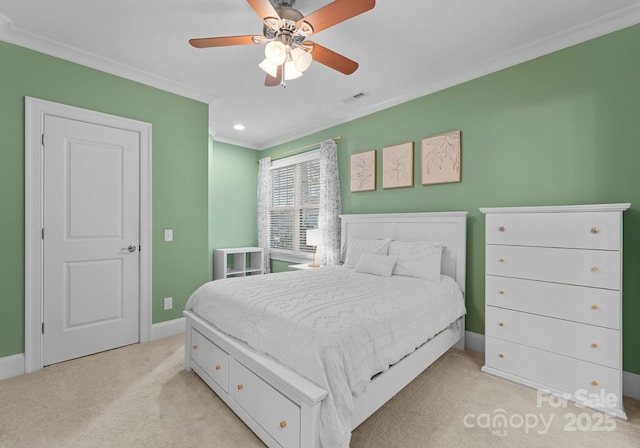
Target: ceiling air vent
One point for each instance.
(352, 98)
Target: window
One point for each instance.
(295, 202)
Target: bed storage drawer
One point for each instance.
(557, 372)
(274, 412)
(594, 344)
(210, 358)
(593, 306)
(584, 230)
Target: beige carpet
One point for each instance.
(139, 396)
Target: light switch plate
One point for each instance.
(168, 234)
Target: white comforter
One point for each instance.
(333, 325)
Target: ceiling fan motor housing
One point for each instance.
(285, 34)
(288, 13)
(283, 3)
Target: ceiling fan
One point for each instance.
(285, 30)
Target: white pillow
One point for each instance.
(421, 259)
(357, 247)
(376, 264)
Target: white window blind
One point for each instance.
(295, 202)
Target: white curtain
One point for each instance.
(264, 200)
(328, 251)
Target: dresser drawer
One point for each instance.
(210, 358)
(593, 306)
(274, 412)
(586, 230)
(597, 268)
(552, 370)
(594, 344)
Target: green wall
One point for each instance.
(561, 129)
(179, 158)
(233, 203)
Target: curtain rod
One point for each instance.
(301, 149)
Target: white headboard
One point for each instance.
(448, 228)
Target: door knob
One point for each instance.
(130, 248)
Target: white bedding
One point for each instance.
(335, 326)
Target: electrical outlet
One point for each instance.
(168, 303)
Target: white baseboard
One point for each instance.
(474, 341)
(11, 366)
(14, 365)
(168, 328)
(630, 381)
(631, 385)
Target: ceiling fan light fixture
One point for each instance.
(290, 71)
(268, 67)
(275, 52)
(301, 59)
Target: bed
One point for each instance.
(295, 405)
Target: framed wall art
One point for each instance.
(362, 172)
(397, 166)
(441, 161)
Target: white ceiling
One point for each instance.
(405, 50)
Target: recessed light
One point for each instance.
(239, 127)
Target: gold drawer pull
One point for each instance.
(501, 229)
(501, 292)
(501, 324)
(501, 355)
(594, 383)
(594, 345)
(594, 269)
(218, 367)
(595, 230)
(501, 260)
(283, 424)
(240, 387)
(594, 307)
(195, 347)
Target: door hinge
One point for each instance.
(139, 248)
(42, 327)
(43, 140)
(42, 233)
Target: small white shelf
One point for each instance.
(237, 262)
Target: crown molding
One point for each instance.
(610, 23)
(604, 25)
(15, 35)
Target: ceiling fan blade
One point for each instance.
(334, 13)
(332, 59)
(263, 8)
(208, 42)
(270, 81)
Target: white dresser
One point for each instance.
(553, 300)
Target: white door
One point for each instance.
(91, 238)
